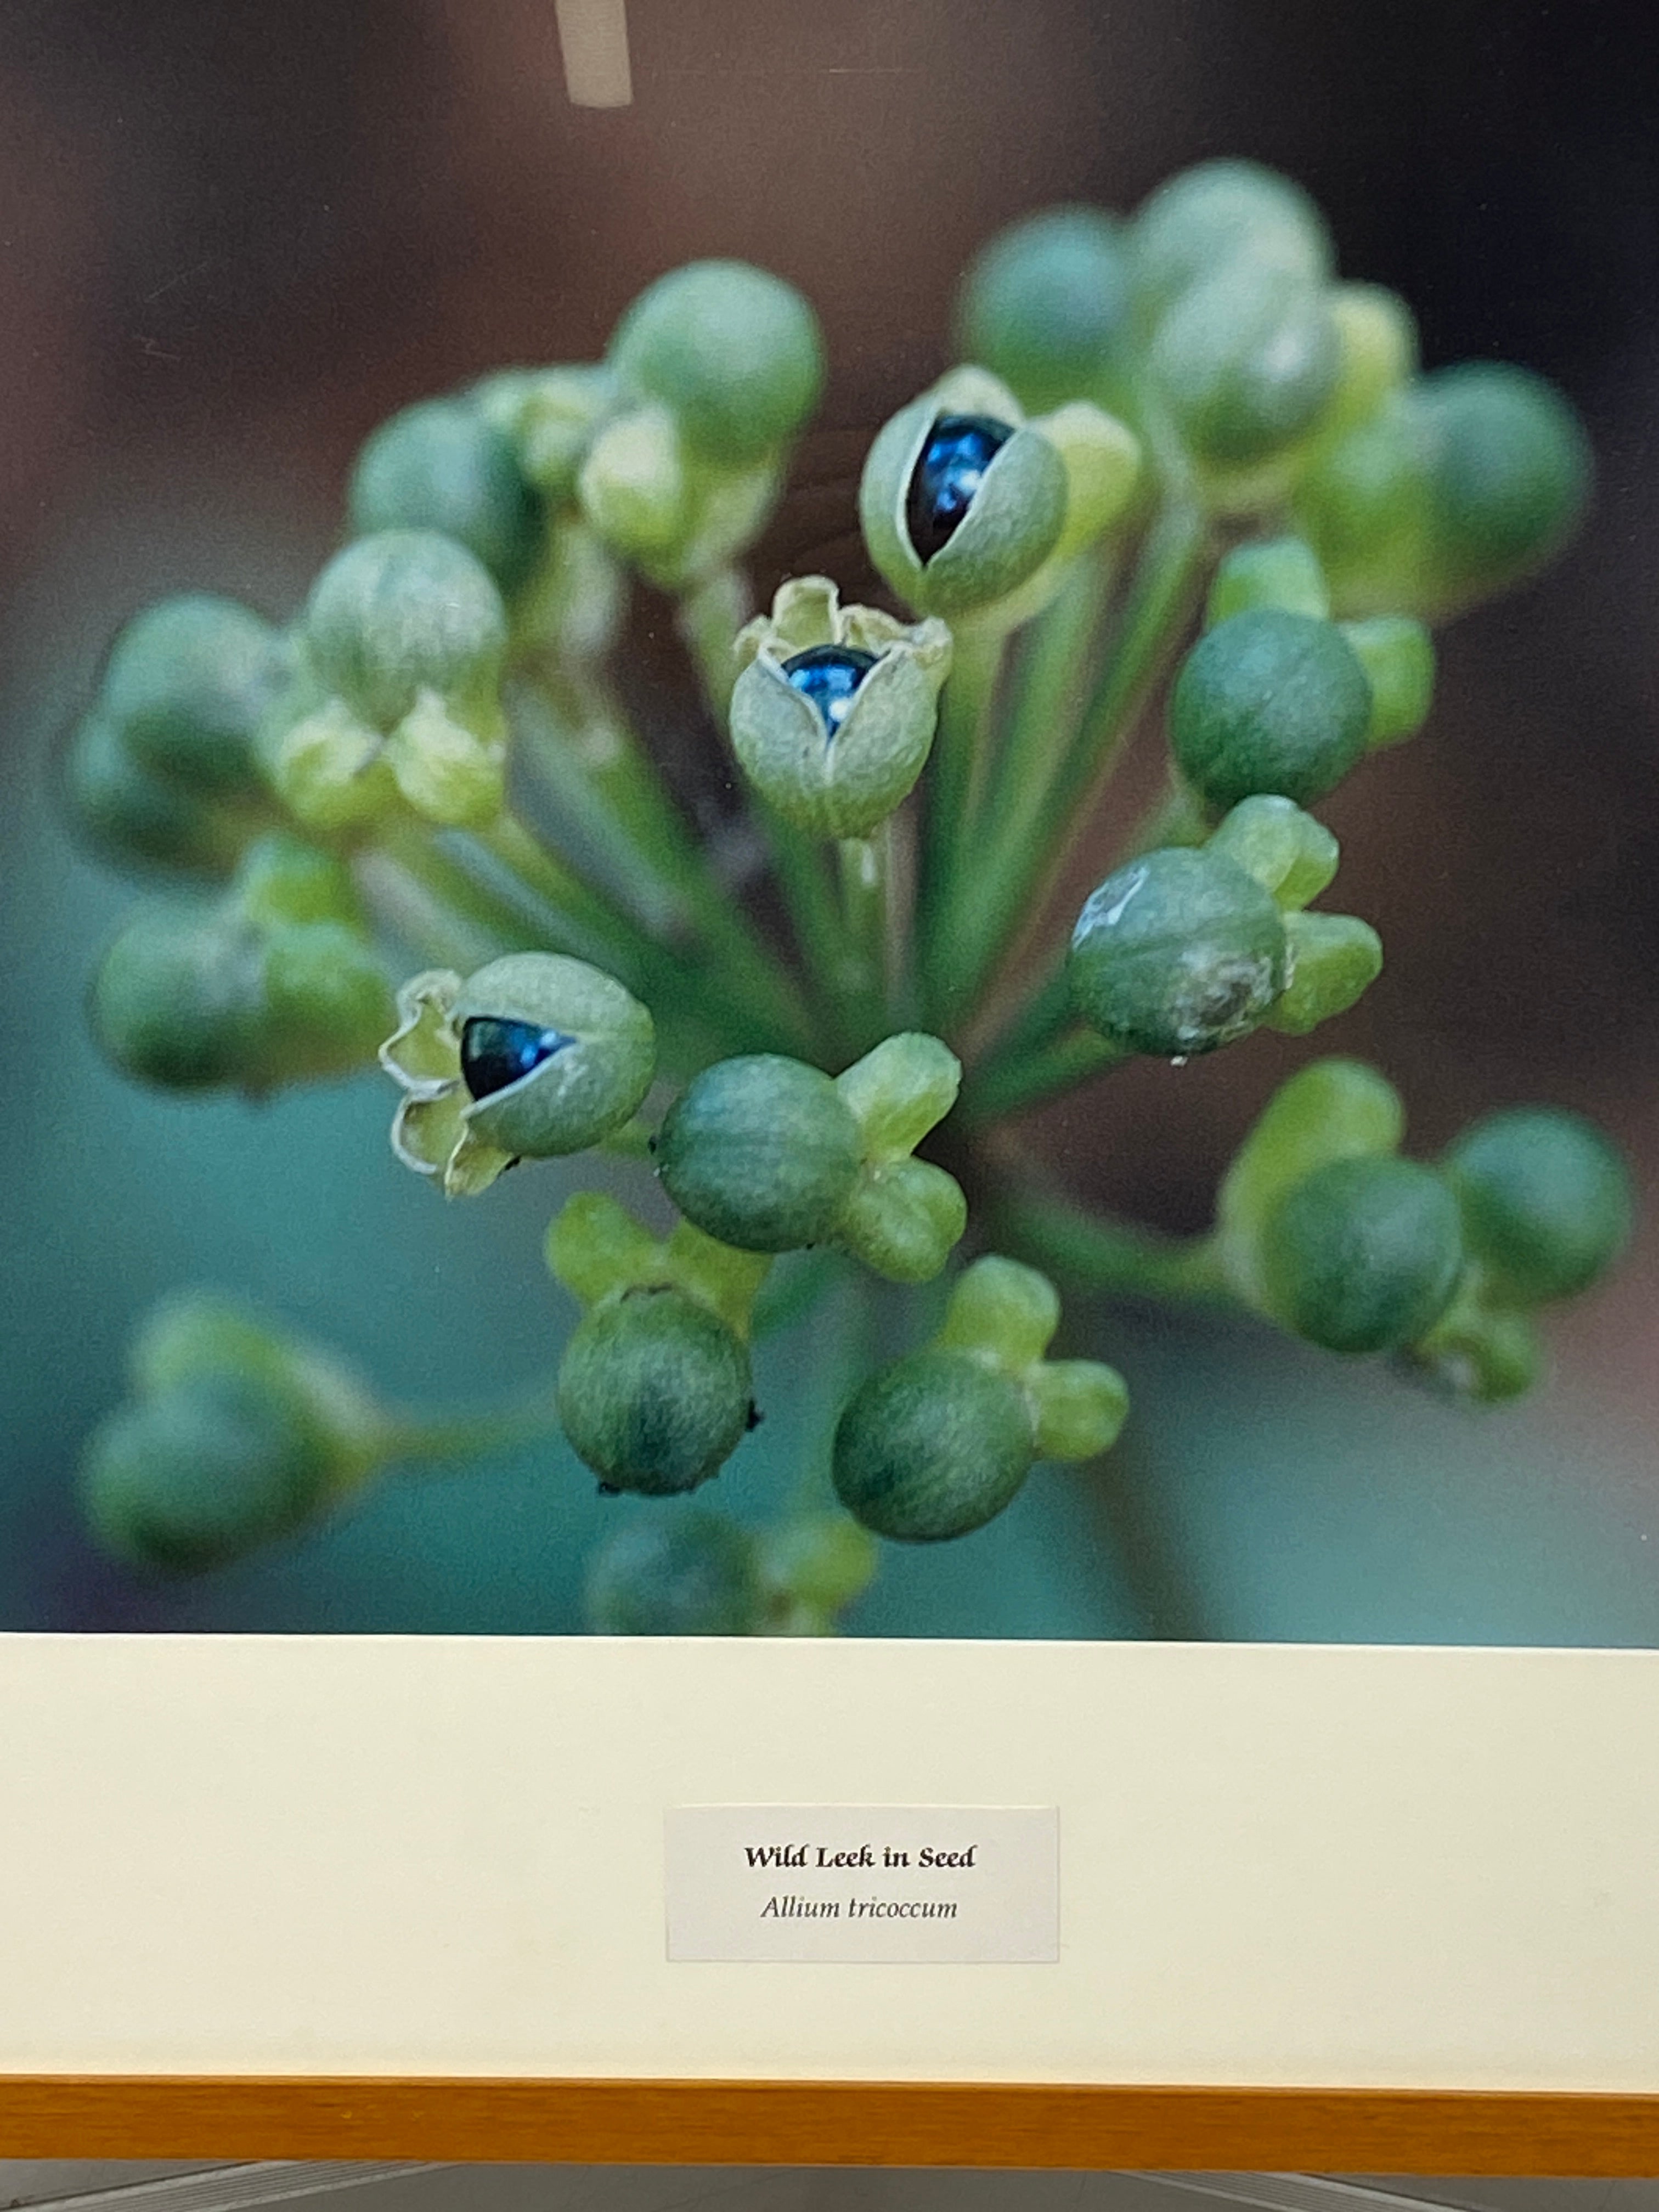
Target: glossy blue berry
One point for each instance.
(495, 1052)
(829, 675)
(950, 469)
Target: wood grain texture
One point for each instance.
(830, 2123)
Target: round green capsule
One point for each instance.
(1177, 953)
(178, 1001)
(1045, 306)
(654, 1392)
(201, 1474)
(760, 1152)
(401, 613)
(128, 812)
(444, 465)
(1547, 1201)
(932, 1447)
(732, 352)
(1222, 213)
(186, 684)
(1269, 701)
(1245, 360)
(1510, 475)
(675, 1573)
(1362, 1256)
(555, 1054)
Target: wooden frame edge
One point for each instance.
(695, 2123)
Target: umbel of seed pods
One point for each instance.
(1196, 378)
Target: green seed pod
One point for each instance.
(932, 1447)
(551, 415)
(1245, 360)
(177, 1000)
(1397, 654)
(1045, 306)
(904, 1220)
(443, 465)
(402, 614)
(654, 1392)
(734, 353)
(127, 813)
(201, 1474)
(1177, 953)
(554, 1053)
(327, 1003)
(760, 1152)
(1268, 572)
(1363, 503)
(1332, 1110)
(1461, 485)
(834, 708)
(1546, 1199)
(675, 1573)
(1222, 212)
(961, 501)
(1378, 335)
(1511, 478)
(823, 1562)
(282, 878)
(1291, 856)
(186, 684)
(1481, 1353)
(1269, 701)
(1364, 1255)
(1335, 958)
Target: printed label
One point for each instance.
(961, 1885)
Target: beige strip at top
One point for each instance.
(594, 39)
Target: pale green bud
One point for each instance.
(1332, 1110)
(1268, 572)
(768, 1154)
(1292, 855)
(187, 683)
(833, 711)
(443, 465)
(1045, 305)
(1222, 212)
(733, 352)
(404, 613)
(1245, 362)
(127, 813)
(1335, 958)
(1378, 337)
(1397, 654)
(551, 415)
(939, 1443)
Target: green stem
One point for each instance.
(1101, 1253)
(1014, 887)
(866, 870)
(956, 776)
(413, 1440)
(709, 617)
(1047, 702)
(432, 906)
(1013, 1084)
(605, 782)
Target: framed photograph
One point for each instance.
(830, 917)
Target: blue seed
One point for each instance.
(829, 675)
(951, 468)
(495, 1052)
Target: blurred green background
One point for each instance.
(236, 238)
